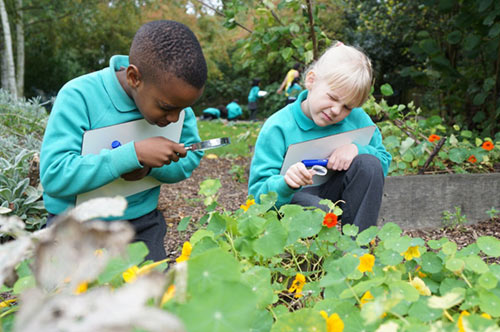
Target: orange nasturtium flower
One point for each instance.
(330, 220)
(366, 263)
(186, 252)
(411, 252)
(131, 274)
(460, 323)
(472, 159)
(434, 138)
(488, 146)
(297, 285)
(333, 323)
(168, 295)
(249, 203)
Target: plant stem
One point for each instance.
(466, 280)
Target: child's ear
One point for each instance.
(310, 79)
(134, 78)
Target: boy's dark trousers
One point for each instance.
(150, 229)
(361, 187)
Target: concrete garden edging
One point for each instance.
(418, 201)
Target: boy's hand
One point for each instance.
(158, 151)
(298, 175)
(136, 174)
(341, 158)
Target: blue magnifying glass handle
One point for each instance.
(312, 162)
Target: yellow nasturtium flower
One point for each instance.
(81, 288)
(419, 284)
(367, 297)
(460, 323)
(297, 285)
(485, 315)
(411, 252)
(168, 295)
(366, 263)
(186, 252)
(6, 303)
(131, 274)
(248, 203)
(333, 323)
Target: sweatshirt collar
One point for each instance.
(118, 96)
(302, 120)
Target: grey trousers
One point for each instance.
(361, 187)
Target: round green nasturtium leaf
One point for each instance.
(488, 280)
(398, 244)
(421, 310)
(263, 321)
(489, 245)
(386, 89)
(458, 155)
(206, 243)
(388, 231)
(367, 235)
(403, 288)
(219, 310)
(305, 224)
(489, 303)
(431, 262)
(272, 241)
(455, 264)
(350, 230)
(305, 320)
(211, 267)
(476, 264)
(449, 248)
(390, 257)
(258, 278)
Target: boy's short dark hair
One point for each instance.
(168, 47)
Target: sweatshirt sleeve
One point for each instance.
(376, 148)
(266, 165)
(63, 170)
(182, 169)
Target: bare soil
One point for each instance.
(181, 200)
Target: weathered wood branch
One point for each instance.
(432, 155)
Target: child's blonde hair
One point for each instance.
(345, 67)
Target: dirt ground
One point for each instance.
(181, 200)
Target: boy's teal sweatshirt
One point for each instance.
(93, 101)
(233, 110)
(253, 95)
(289, 126)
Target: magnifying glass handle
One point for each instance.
(312, 162)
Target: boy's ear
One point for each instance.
(310, 79)
(134, 78)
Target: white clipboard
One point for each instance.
(97, 139)
(322, 148)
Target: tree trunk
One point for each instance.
(20, 49)
(11, 75)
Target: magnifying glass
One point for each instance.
(318, 165)
(209, 144)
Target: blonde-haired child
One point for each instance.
(336, 86)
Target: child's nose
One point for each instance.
(173, 116)
(336, 108)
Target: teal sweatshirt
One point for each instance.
(93, 101)
(212, 111)
(233, 110)
(253, 95)
(289, 126)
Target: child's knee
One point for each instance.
(368, 164)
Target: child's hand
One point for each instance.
(158, 151)
(298, 175)
(341, 158)
(136, 174)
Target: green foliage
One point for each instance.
(409, 137)
(454, 219)
(269, 270)
(242, 134)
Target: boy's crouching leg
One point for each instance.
(363, 187)
(151, 229)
